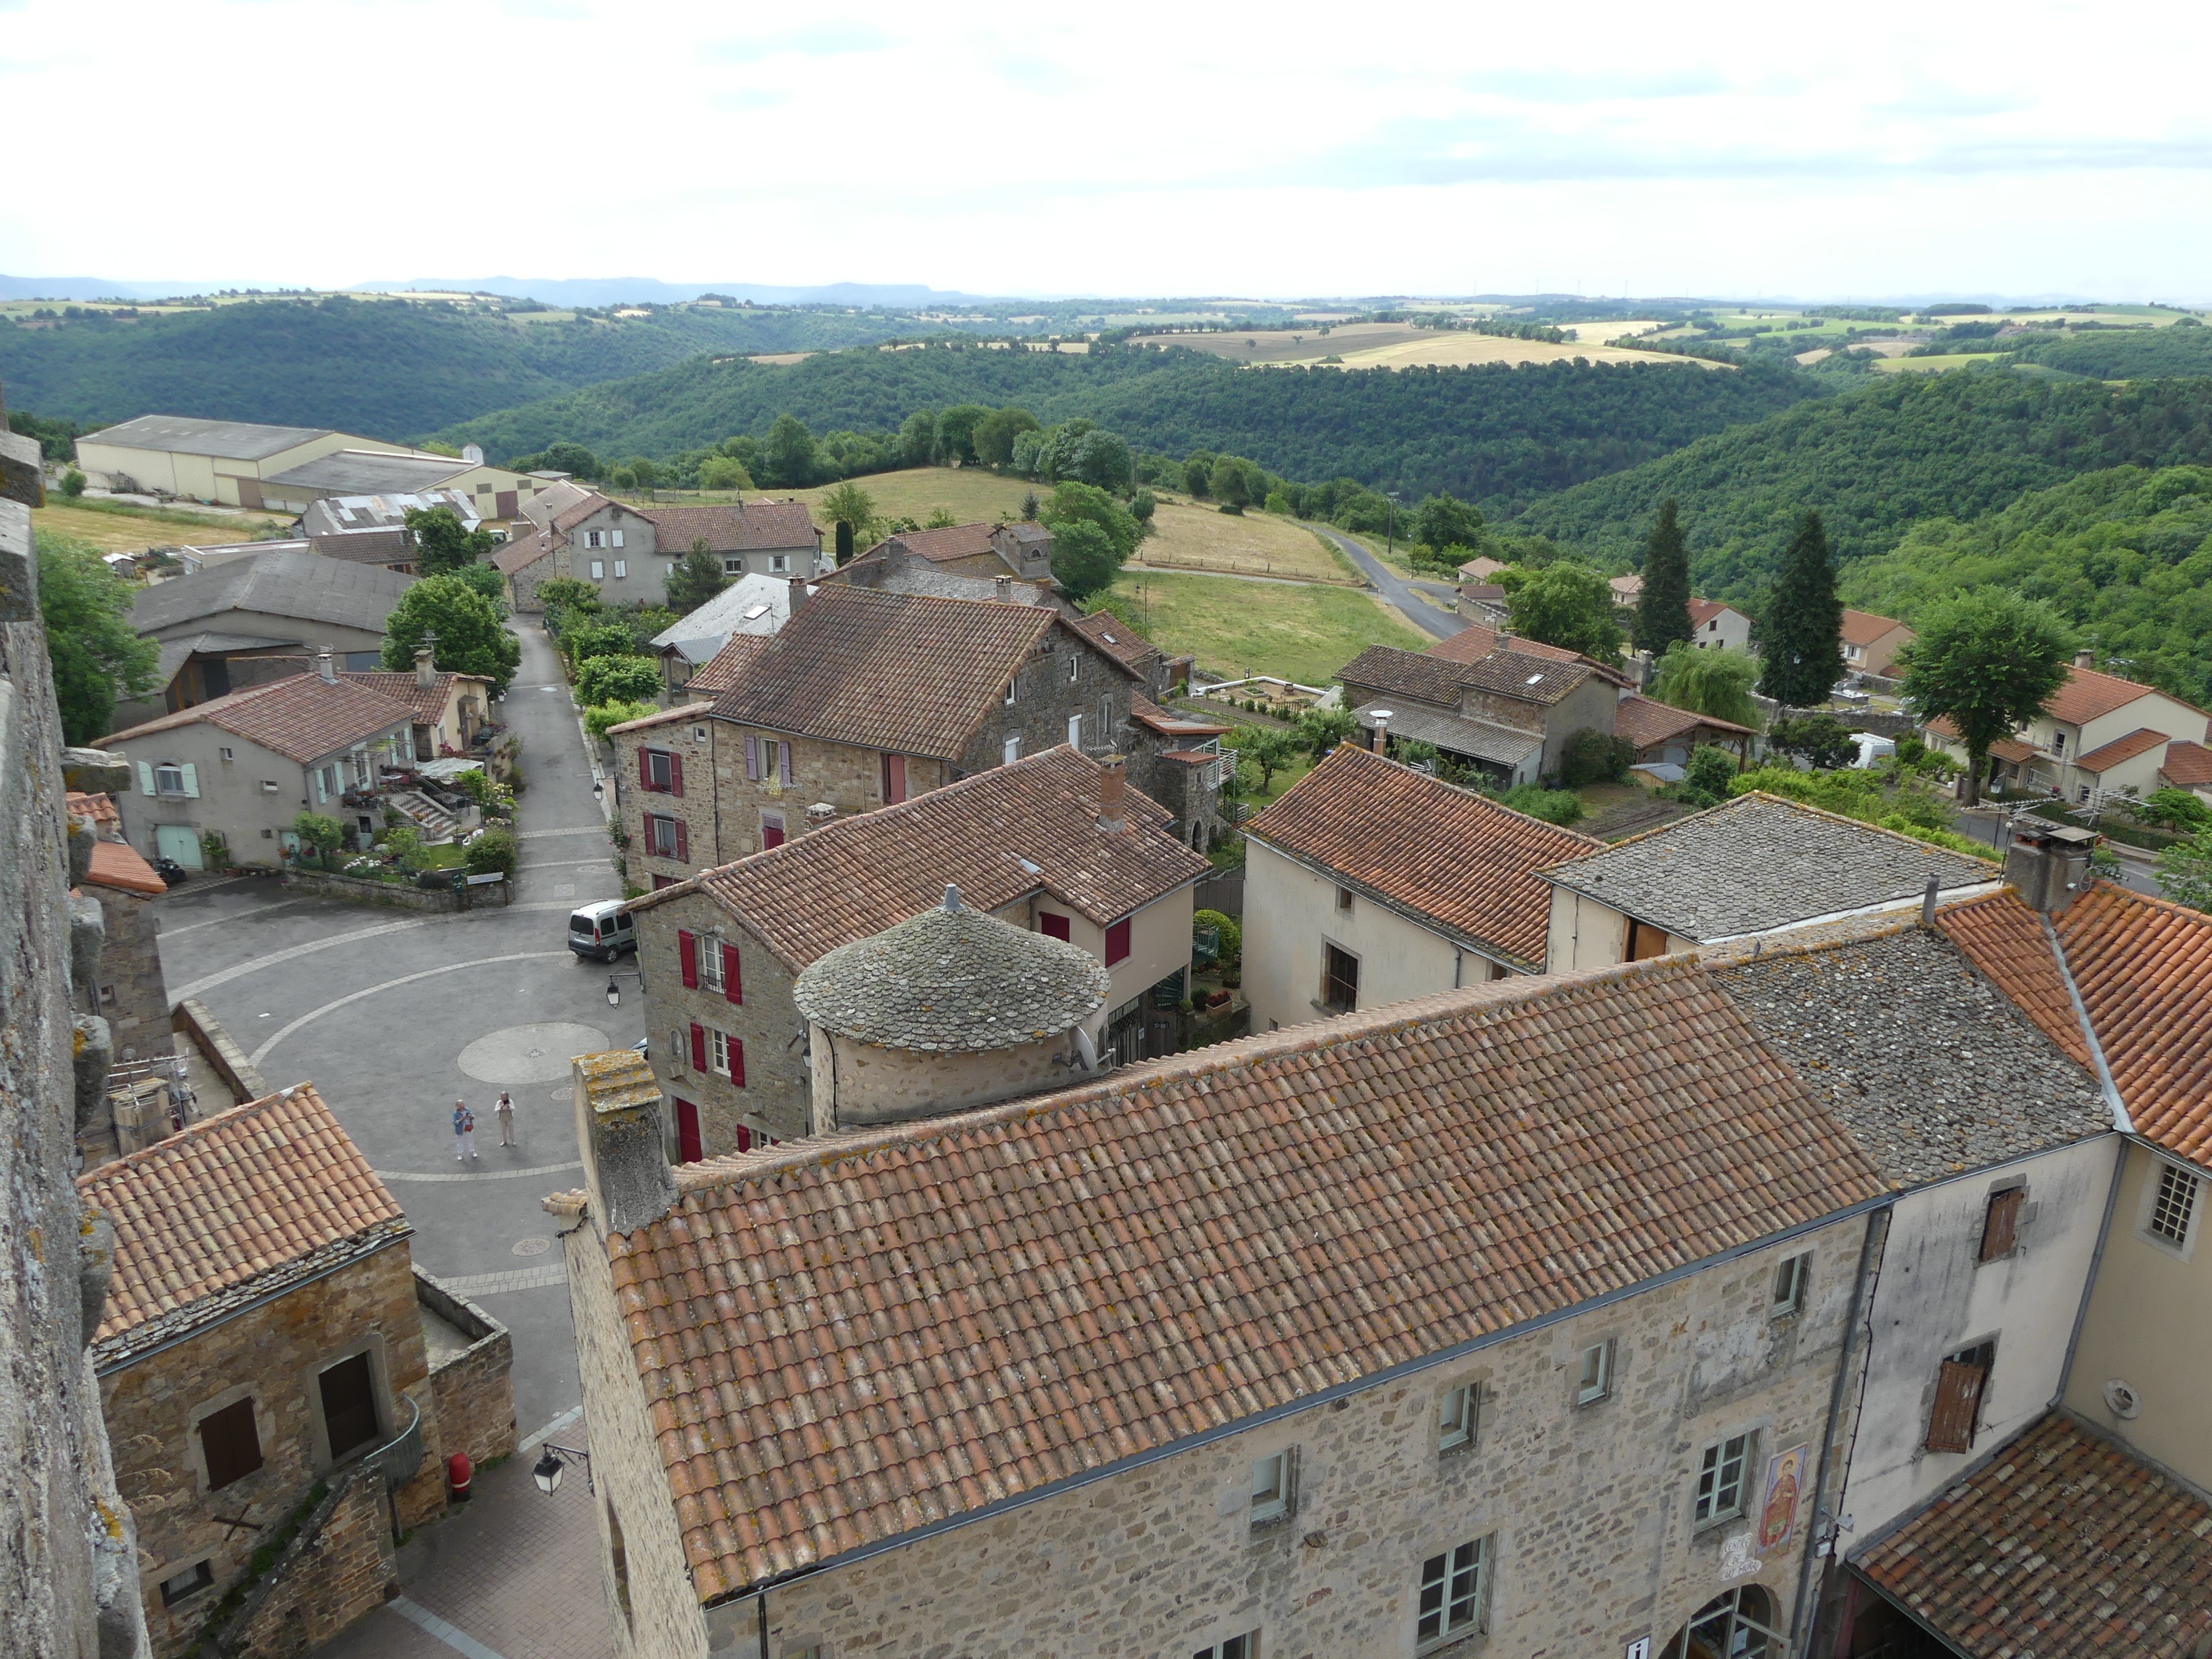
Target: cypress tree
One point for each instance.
(844, 543)
(1663, 611)
(1802, 638)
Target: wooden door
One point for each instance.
(348, 1390)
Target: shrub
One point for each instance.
(1556, 806)
(1232, 935)
(1822, 741)
(2174, 809)
(1593, 756)
(597, 636)
(319, 833)
(494, 849)
(600, 716)
(618, 679)
(72, 483)
(404, 845)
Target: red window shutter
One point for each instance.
(689, 1147)
(675, 774)
(898, 777)
(698, 1048)
(1052, 926)
(644, 769)
(683, 842)
(745, 1138)
(659, 882)
(687, 951)
(1117, 941)
(1958, 1403)
(886, 762)
(732, 991)
(737, 1063)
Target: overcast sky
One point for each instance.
(1133, 149)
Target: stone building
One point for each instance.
(1043, 843)
(626, 552)
(895, 567)
(862, 700)
(449, 709)
(1021, 551)
(264, 1331)
(128, 992)
(1509, 713)
(1533, 1317)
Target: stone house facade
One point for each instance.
(129, 991)
(751, 538)
(1022, 550)
(1509, 713)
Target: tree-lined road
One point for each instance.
(1395, 589)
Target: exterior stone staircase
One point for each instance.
(437, 824)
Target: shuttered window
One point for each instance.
(698, 1048)
(230, 1444)
(687, 953)
(732, 984)
(2000, 1225)
(1958, 1384)
(1117, 942)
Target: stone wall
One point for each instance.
(273, 1355)
(696, 808)
(473, 1388)
(67, 1587)
(845, 775)
(1586, 1509)
(133, 997)
(192, 1023)
(1045, 698)
(357, 891)
(338, 1566)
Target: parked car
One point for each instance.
(597, 931)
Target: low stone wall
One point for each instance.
(474, 1389)
(355, 891)
(191, 1020)
(337, 1567)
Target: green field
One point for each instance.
(1237, 628)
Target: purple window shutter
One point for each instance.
(752, 758)
(783, 763)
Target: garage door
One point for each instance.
(179, 842)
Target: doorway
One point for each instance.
(1736, 1625)
(179, 842)
(348, 1391)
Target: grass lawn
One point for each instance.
(1237, 628)
(1935, 365)
(123, 528)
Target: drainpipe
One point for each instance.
(1835, 1412)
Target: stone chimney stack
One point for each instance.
(425, 675)
(620, 1133)
(2050, 865)
(2085, 658)
(1113, 782)
(1004, 586)
(797, 594)
(326, 666)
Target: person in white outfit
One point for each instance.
(504, 1111)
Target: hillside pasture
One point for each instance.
(1400, 345)
(124, 528)
(1236, 629)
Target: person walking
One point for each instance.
(505, 1112)
(464, 1130)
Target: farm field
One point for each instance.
(1238, 629)
(1400, 346)
(1935, 365)
(127, 529)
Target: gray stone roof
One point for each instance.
(1761, 862)
(184, 434)
(1482, 739)
(952, 980)
(284, 583)
(1926, 1063)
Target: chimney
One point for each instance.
(1113, 779)
(2050, 865)
(425, 675)
(326, 667)
(1381, 741)
(797, 594)
(2085, 658)
(1928, 901)
(620, 1133)
(820, 813)
(1004, 586)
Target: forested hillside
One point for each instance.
(2126, 553)
(1495, 434)
(2123, 354)
(389, 369)
(1874, 459)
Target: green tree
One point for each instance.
(617, 679)
(788, 460)
(1662, 610)
(568, 594)
(97, 655)
(1713, 683)
(1443, 522)
(1568, 605)
(648, 473)
(600, 636)
(571, 459)
(917, 438)
(1267, 749)
(955, 434)
(442, 543)
(1802, 642)
(1987, 662)
(599, 716)
(73, 483)
(1822, 741)
(1198, 475)
(994, 434)
(853, 511)
(470, 638)
(322, 834)
(1083, 558)
(1103, 459)
(1319, 730)
(485, 579)
(1705, 780)
(724, 473)
(1071, 502)
(1229, 482)
(693, 578)
(2185, 871)
(494, 849)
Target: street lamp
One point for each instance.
(547, 1471)
(614, 990)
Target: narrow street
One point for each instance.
(394, 1016)
(1395, 589)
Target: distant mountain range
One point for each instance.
(563, 291)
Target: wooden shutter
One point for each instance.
(230, 1444)
(2000, 1227)
(145, 777)
(1117, 941)
(675, 774)
(752, 758)
(191, 780)
(732, 990)
(687, 952)
(644, 769)
(1958, 1403)
(737, 1062)
(783, 763)
(683, 842)
(1052, 926)
(698, 1048)
(689, 1148)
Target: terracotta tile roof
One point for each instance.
(844, 1340)
(676, 716)
(1475, 641)
(428, 702)
(1646, 721)
(2062, 1543)
(2012, 750)
(570, 517)
(2004, 939)
(119, 865)
(229, 1210)
(1530, 677)
(2103, 758)
(1864, 628)
(1174, 723)
(1446, 853)
(736, 528)
(1028, 827)
(941, 546)
(302, 717)
(1704, 611)
(1761, 862)
(523, 548)
(905, 672)
(719, 672)
(2187, 765)
(1475, 570)
(1110, 634)
(100, 808)
(2087, 694)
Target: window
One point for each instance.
(779, 563)
(1117, 942)
(1959, 1382)
(675, 1047)
(349, 1396)
(1340, 980)
(2173, 1206)
(1452, 1586)
(1271, 1488)
(1011, 684)
(230, 1444)
(1720, 1479)
(1075, 731)
(665, 837)
(1013, 751)
(660, 771)
(598, 570)
(1246, 1646)
(1074, 666)
(168, 779)
(1594, 1374)
(1456, 1416)
(189, 1583)
(595, 538)
(728, 1056)
(1344, 897)
(771, 831)
(1645, 940)
(1790, 1281)
(709, 947)
(614, 538)
(735, 567)
(622, 569)
(226, 754)
(1052, 926)
(2001, 1224)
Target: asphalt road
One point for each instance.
(394, 1015)
(2138, 871)
(1394, 588)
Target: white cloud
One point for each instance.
(1143, 149)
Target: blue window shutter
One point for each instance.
(191, 781)
(145, 777)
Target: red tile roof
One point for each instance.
(570, 518)
(737, 528)
(1026, 828)
(1864, 628)
(2187, 765)
(119, 865)
(1109, 633)
(302, 717)
(100, 808)
(1474, 642)
(428, 701)
(1704, 611)
(719, 672)
(845, 1341)
(2088, 695)
(910, 674)
(2141, 741)
(1446, 853)
(525, 547)
(1646, 721)
(2065, 1543)
(942, 545)
(227, 1211)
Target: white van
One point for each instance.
(600, 932)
